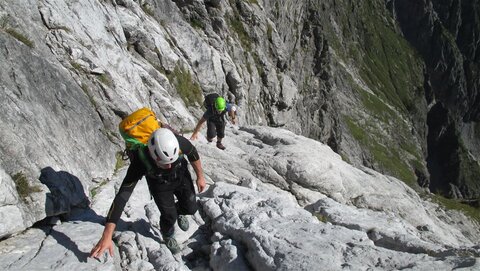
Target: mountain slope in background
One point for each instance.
(390, 85)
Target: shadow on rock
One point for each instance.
(66, 192)
(66, 242)
(66, 201)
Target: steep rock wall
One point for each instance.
(340, 72)
(446, 34)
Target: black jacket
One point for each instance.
(162, 179)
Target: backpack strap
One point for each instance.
(144, 158)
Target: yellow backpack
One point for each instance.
(137, 127)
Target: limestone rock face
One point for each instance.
(49, 122)
(11, 214)
(446, 35)
(389, 86)
(304, 208)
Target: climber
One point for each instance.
(167, 177)
(217, 107)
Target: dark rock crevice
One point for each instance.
(446, 34)
(442, 143)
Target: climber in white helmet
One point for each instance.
(166, 169)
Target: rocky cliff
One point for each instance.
(445, 33)
(271, 204)
(391, 85)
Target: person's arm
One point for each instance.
(198, 127)
(197, 166)
(105, 243)
(232, 116)
(232, 109)
(191, 152)
(116, 209)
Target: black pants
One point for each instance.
(215, 128)
(163, 194)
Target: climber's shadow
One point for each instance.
(66, 242)
(66, 192)
(66, 201)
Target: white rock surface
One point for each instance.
(275, 201)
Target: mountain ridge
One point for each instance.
(364, 78)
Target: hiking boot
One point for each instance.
(183, 223)
(172, 244)
(220, 145)
(209, 140)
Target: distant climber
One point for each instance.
(217, 108)
(166, 170)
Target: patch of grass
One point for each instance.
(270, 32)
(321, 217)
(105, 79)
(417, 164)
(389, 66)
(345, 158)
(387, 156)
(189, 91)
(391, 162)
(358, 133)
(259, 65)
(5, 26)
(452, 204)
(119, 162)
(237, 26)
(393, 72)
(86, 90)
(197, 23)
(76, 66)
(148, 9)
(388, 159)
(94, 190)
(386, 62)
(377, 107)
(23, 187)
(20, 37)
(4, 21)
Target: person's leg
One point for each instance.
(220, 126)
(185, 193)
(211, 130)
(168, 215)
(163, 194)
(168, 212)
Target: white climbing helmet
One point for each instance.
(163, 146)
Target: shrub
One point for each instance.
(20, 37)
(94, 190)
(452, 204)
(104, 78)
(23, 187)
(189, 91)
(119, 161)
(148, 9)
(237, 26)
